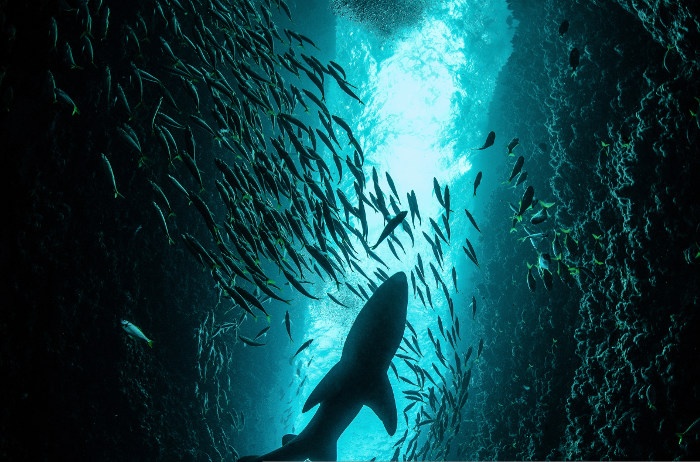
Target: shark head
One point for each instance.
(358, 379)
(377, 331)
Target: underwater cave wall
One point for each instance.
(618, 131)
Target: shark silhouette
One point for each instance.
(359, 378)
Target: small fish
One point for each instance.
(564, 27)
(63, 96)
(531, 281)
(249, 341)
(516, 168)
(539, 217)
(446, 198)
(490, 138)
(53, 33)
(473, 307)
(121, 96)
(165, 223)
(574, 59)
(437, 230)
(392, 186)
(526, 201)
(390, 226)
(297, 285)
(471, 256)
(163, 197)
(446, 224)
(68, 56)
(301, 348)
(547, 279)
(557, 249)
(135, 332)
(544, 261)
(438, 191)
(477, 181)
(336, 300)
(108, 167)
(513, 143)
(288, 325)
(471, 218)
(262, 332)
(413, 207)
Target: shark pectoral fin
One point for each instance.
(327, 387)
(381, 401)
(287, 438)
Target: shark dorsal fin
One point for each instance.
(381, 401)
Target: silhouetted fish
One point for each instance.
(477, 181)
(563, 27)
(490, 138)
(574, 59)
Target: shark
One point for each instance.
(358, 379)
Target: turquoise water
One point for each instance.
(146, 187)
(427, 92)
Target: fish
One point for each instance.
(471, 251)
(297, 285)
(446, 199)
(250, 342)
(531, 282)
(446, 224)
(481, 348)
(63, 96)
(359, 378)
(301, 348)
(473, 307)
(544, 261)
(165, 223)
(392, 186)
(53, 33)
(547, 278)
(438, 191)
(526, 201)
(108, 167)
(390, 226)
(413, 208)
(135, 332)
(516, 168)
(490, 139)
(539, 217)
(557, 249)
(564, 27)
(513, 143)
(477, 181)
(337, 301)
(288, 325)
(437, 230)
(574, 59)
(454, 278)
(472, 220)
(262, 332)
